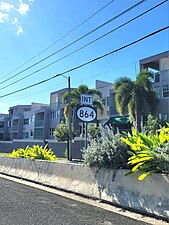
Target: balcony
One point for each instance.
(53, 106)
(38, 133)
(39, 123)
(15, 128)
(164, 75)
(1, 129)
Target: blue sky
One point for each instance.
(29, 26)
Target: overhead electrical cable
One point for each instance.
(78, 39)
(61, 84)
(87, 63)
(104, 35)
(65, 35)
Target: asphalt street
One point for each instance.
(24, 205)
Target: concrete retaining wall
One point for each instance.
(150, 196)
(57, 147)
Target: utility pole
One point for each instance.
(70, 124)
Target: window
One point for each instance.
(26, 121)
(9, 123)
(52, 131)
(105, 101)
(166, 91)
(38, 133)
(25, 135)
(157, 91)
(11, 111)
(31, 133)
(26, 109)
(165, 116)
(156, 78)
(32, 118)
(53, 115)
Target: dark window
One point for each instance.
(26, 121)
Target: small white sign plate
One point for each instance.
(86, 114)
(86, 99)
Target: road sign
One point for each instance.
(86, 99)
(86, 114)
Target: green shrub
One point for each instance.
(152, 124)
(35, 152)
(108, 151)
(149, 152)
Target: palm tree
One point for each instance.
(75, 98)
(134, 95)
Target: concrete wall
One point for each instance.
(57, 147)
(150, 196)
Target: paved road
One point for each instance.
(23, 205)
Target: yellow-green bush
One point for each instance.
(35, 152)
(149, 152)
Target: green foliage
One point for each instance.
(133, 95)
(61, 132)
(75, 98)
(94, 131)
(152, 124)
(107, 151)
(149, 152)
(35, 152)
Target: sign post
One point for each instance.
(86, 113)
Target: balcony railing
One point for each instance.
(39, 123)
(164, 75)
(14, 128)
(1, 129)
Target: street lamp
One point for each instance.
(69, 120)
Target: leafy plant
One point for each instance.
(35, 152)
(94, 131)
(61, 132)
(150, 152)
(152, 124)
(75, 98)
(106, 151)
(133, 95)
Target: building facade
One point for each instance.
(28, 121)
(159, 65)
(105, 88)
(56, 110)
(38, 121)
(4, 126)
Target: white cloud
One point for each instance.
(2, 104)
(6, 6)
(19, 30)
(23, 8)
(15, 20)
(13, 13)
(3, 17)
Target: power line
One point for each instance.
(65, 35)
(61, 84)
(78, 49)
(87, 63)
(78, 39)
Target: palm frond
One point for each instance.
(65, 98)
(95, 92)
(121, 81)
(99, 105)
(83, 89)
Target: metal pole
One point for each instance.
(70, 126)
(86, 135)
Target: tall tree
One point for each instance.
(134, 95)
(75, 98)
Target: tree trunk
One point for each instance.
(138, 118)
